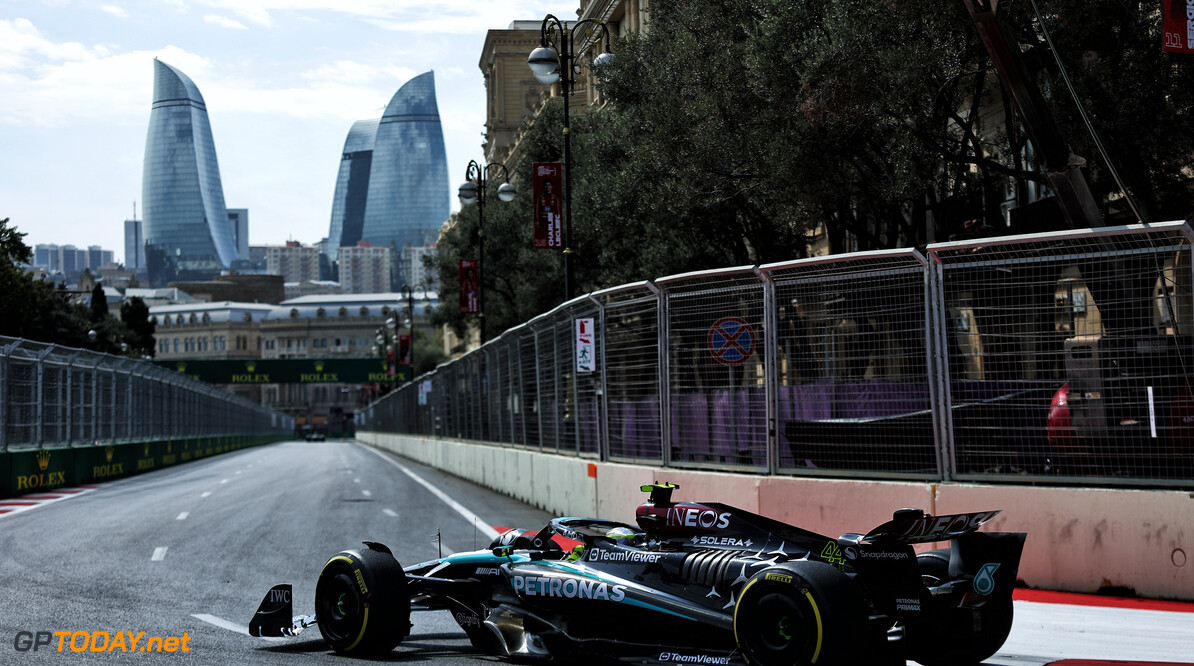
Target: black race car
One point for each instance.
(697, 583)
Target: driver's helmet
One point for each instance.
(507, 538)
(624, 536)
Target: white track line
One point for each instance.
(443, 497)
(183, 515)
(14, 505)
(159, 554)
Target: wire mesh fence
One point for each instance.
(1061, 357)
(1069, 354)
(59, 396)
(852, 368)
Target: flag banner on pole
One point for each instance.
(1178, 18)
(470, 278)
(549, 227)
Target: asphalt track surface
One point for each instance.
(189, 551)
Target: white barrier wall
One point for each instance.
(1079, 539)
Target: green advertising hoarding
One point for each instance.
(288, 370)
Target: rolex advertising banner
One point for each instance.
(1178, 17)
(42, 470)
(549, 228)
(470, 272)
(289, 370)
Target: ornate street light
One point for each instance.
(409, 321)
(555, 60)
(474, 189)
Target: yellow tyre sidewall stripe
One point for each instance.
(739, 605)
(811, 602)
(820, 630)
(365, 617)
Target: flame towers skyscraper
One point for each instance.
(188, 235)
(352, 187)
(393, 187)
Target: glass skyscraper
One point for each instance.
(407, 198)
(352, 187)
(188, 235)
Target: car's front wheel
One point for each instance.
(797, 613)
(361, 603)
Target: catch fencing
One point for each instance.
(1058, 358)
(56, 396)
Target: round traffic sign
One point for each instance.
(731, 340)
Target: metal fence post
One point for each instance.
(937, 347)
(4, 398)
(68, 429)
(665, 394)
(538, 390)
(95, 401)
(602, 399)
(770, 370)
(39, 415)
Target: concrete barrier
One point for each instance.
(1079, 539)
(1085, 539)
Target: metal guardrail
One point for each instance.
(60, 396)
(1061, 357)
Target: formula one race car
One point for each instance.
(701, 583)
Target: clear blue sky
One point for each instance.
(283, 80)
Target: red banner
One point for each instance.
(404, 349)
(470, 281)
(549, 228)
(1178, 17)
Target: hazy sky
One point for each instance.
(283, 80)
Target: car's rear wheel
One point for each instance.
(796, 613)
(361, 604)
(959, 636)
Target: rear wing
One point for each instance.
(911, 526)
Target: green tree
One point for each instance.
(735, 129)
(35, 309)
(16, 287)
(1137, 96)
(427, 354)
(99, 304)
(135, 315)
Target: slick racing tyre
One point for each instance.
(797, 613)
(959, 636)
(361, 604)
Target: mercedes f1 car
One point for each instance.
(692, 582)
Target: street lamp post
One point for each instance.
(475, 186)
(410, 325)
(550, 64)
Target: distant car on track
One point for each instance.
(692, 582)
(313, 434)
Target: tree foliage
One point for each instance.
(34, 309)
(733, 130)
